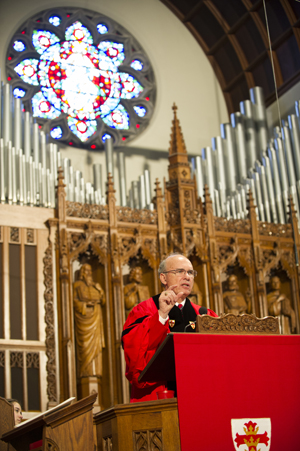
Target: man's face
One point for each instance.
(232, 283)
(137, 275)
(87, 275)
(275, 283)
(184, 282)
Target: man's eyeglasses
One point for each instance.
(183, 272)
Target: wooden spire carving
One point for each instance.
(177, 144)
(181, 196)
(179, 166)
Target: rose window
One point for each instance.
(83, 76)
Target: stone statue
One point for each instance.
(279, 305)
(88, 299)
(234, 301)
(135, 292)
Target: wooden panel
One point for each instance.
(146, 421)
(124, 442)
(69, 433)
(6, 421)
(170, 425)
(139, 426)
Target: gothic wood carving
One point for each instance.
(237, 324)
(107, 443)
(87, 211)
(50, 331)
(15, 234)
(150, 252)
(245, 259)
(50, 445)
(148, 440)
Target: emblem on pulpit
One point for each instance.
(251, 434)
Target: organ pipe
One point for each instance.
(242, 156)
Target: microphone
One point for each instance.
(192, 324)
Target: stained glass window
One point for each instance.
(19, 93)
(56, 132)
(55, 20)
(137, 65)
(72, 73)
(140, 110)
(102, 28)
(19, 46)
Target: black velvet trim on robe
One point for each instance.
(182, 317)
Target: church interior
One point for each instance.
(192, 147)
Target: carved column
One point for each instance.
(117, 305)
(213, 255)
(66, 314)
(296, 279)
(161, 221)
(52, 329)
(202, 253)
(262, 306)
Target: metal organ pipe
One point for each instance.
(122, 179)
(295, 137)
(217, 146)
(147, 187)
(27, 135)
(7, 114)
(281, 162)
(209, 172)
(242, 157)
(270, 167)
(250, 133)
(17, 124)
(238, 126)
(265, 203)
(228, 138)
(108, 145)
(2, 171)
(197, 170)
(260, 117)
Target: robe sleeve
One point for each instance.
(142, 335)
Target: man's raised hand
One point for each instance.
(167, 300)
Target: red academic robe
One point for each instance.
(142, 335)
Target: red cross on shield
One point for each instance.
(251, 434)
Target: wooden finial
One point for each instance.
(177, 144)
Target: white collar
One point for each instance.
(182, 303)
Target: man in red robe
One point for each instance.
(150, 321)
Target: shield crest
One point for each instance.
(171, 322)
(251, 434)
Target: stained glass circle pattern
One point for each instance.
(86, 72)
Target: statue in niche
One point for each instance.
(135, 292)
(279, 305)
(234, 301)
(88, 299)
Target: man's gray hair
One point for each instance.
(163, 264)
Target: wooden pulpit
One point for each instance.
(224, 379)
